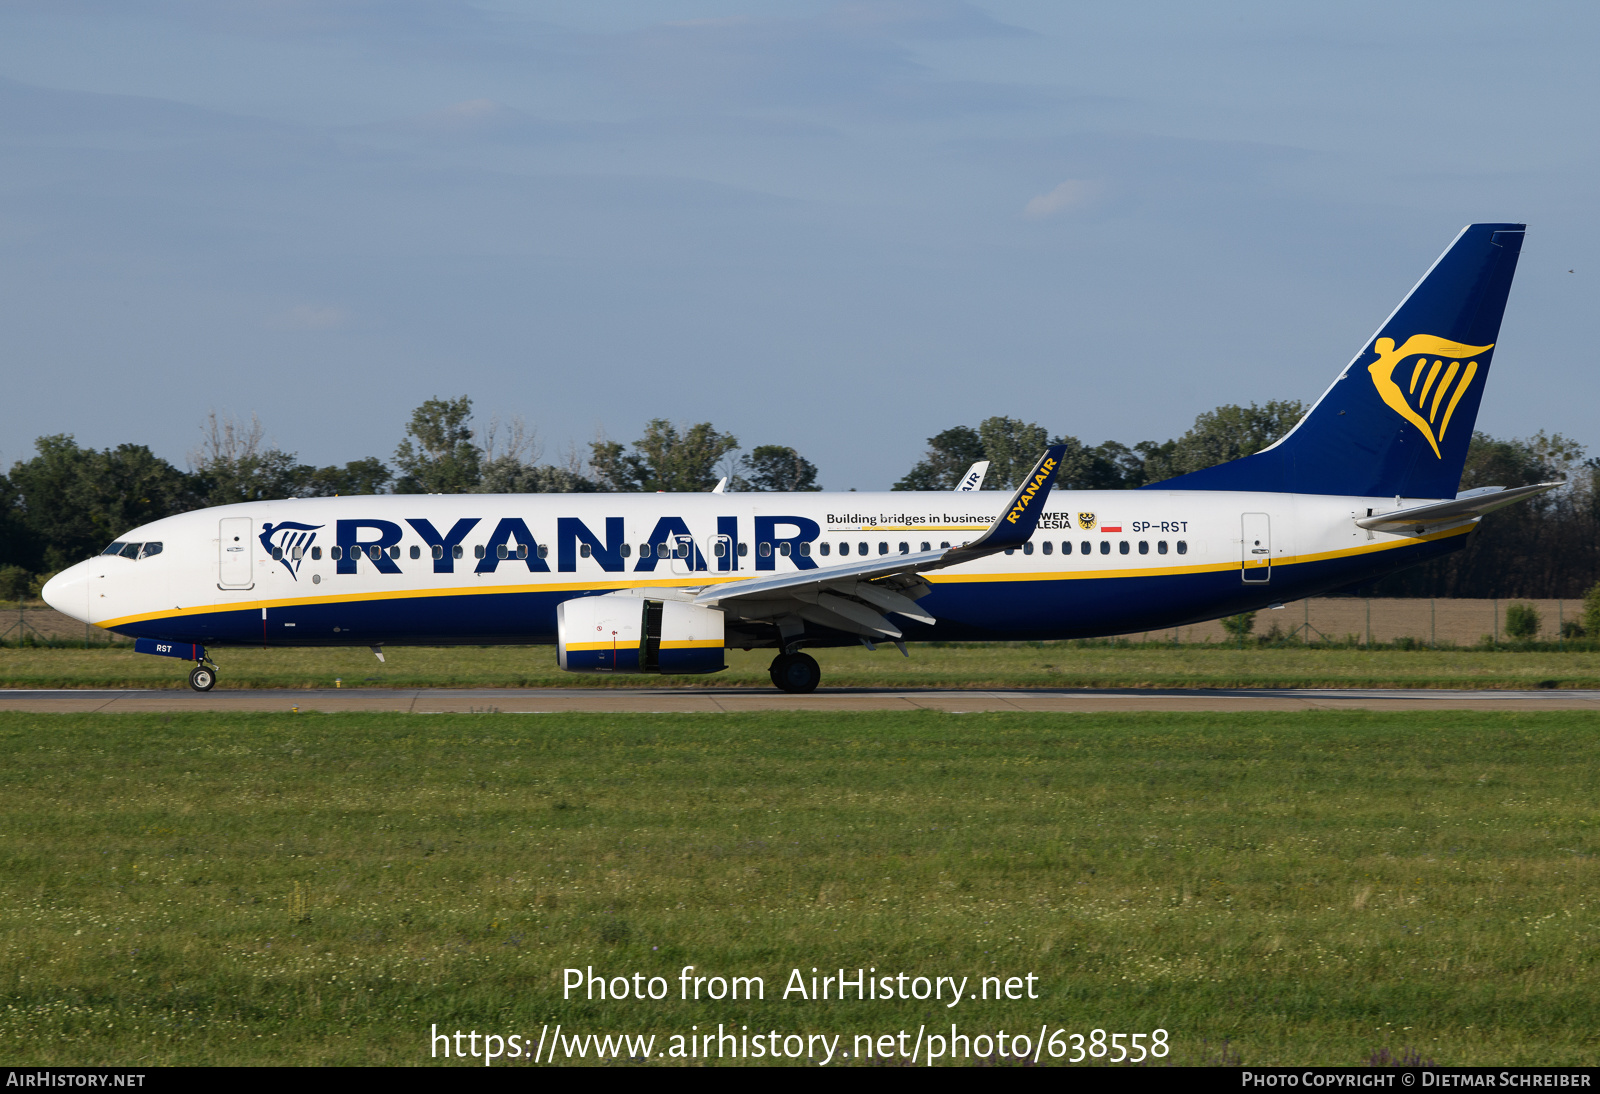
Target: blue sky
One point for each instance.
(842, 227)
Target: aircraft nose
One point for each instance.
(68, 591)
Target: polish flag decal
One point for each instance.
(1111, 527)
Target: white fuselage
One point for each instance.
(1100, 562)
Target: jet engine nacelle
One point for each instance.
(620, 633)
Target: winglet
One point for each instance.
(1021, 515)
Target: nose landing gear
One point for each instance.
(203, 677)
(796, 673)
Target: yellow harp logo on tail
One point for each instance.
(1425, 390)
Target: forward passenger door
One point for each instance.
(235, 553)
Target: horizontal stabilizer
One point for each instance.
(1474, 503)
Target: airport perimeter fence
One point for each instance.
(1394, 621)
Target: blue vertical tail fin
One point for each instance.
(1397, 420)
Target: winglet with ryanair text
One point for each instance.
(1021, 516)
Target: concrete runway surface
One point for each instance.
(729, 700)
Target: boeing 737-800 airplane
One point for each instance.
(663, 583)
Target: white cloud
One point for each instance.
(1070, 194)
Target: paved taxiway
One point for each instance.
(730, 700)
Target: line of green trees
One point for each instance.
(67, 501)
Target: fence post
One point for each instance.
(1433, 624)
(1496, 609)
(1369, 622)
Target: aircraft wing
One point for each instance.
(857, 597)
(1465, 506)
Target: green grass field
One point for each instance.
(1009, 665)
(1269, 889)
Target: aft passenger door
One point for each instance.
(1256, 564)
(235, 554)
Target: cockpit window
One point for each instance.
(133, 550)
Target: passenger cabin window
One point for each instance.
(1122, 546)
(1144, 546)
(663, 551)
(1027, 548)
(457, 551)
(861, 548)
(765, 549)
(522, 550)
(944, 545)
(1161, 546)
(416, 552)
(1105, 546)
(583, 549)
(744, 549)
(500, 551)
(905, 548)
(438, 550)
(805, 548)
(1066, 546)
(824, 547)
(277, 554)
(544, 550)
(644, 550)
(1084, 547)
(844, 548)
(336, 553)
(926, 546)
(627, 549)
(316, 554)
(883, 548)
(297, 554)
(477, 552)
(375, 552)
(784, 549)
(1045, 546)
(1183, 546)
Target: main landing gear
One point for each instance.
(796, 673)
(203, 677)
